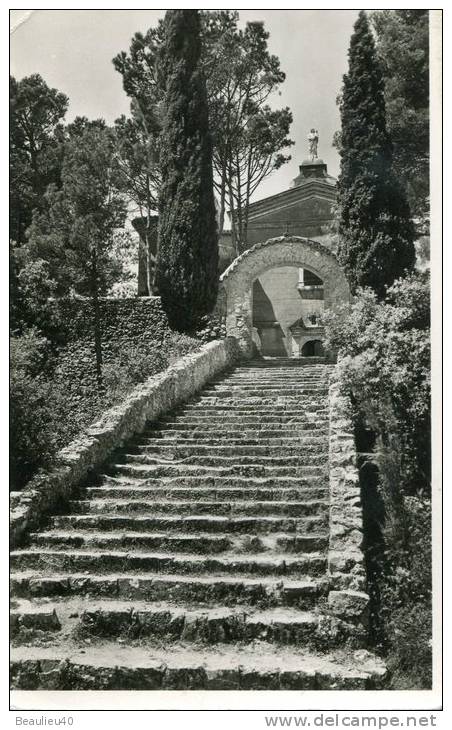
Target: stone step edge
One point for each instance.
(105, 668)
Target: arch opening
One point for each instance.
(317, 282)
(287, 305)
(313, 348)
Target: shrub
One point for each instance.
(32, 407)
(384, 363)
(384, 355)
(406, 601)
(54, 398)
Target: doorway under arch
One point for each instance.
(313, 348)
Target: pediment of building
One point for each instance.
(311, 200)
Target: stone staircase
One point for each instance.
(199, 559)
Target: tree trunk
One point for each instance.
(97, 323)
(222, 200)
(235, 241)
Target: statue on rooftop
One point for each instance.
(313, 139)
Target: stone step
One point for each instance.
(77, 560)
(260, 391)
(256, 430)
(193, 543)
(110, 667)
(212, 481)
(259, 403)
(262, 591)
(185, 468)
(207, 523)
(179, 508)
(225, 420)
(138, 620)
(183, 458)
(281, 382)
(279, 452)
(288, 438)
(200, 494)
(208, 626)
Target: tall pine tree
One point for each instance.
(376, 232)
(187, 261)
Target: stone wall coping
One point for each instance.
(89, 451)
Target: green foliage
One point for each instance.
(375, 229)
(403, 49)
(406, 600)
(384, 362)
(74, 236)
(248, 136)
(131, 365)
(51, 401)
(32, 407)
(36, 113)
(384, 350)
(187, 263)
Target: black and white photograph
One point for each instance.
(225, 470)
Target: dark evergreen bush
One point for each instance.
(376, 232)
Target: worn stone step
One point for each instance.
(260, 405)
(279, 385)
(201, 494)
(77, 560)
(288, 438)
(182, 458)
(207, 523)
(213, 481)
(231, 431)
(185, 468)
(272, 406)
(110, 667)
(179, 508)
(228, 448)
(137, 620)
(287, 419)
(263, 392)
(227, 590)
(192, 543)
(37, 618)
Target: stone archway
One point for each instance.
(235, 296)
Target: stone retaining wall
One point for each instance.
(347, 598)
(87, 454)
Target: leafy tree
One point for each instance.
(137, 154)
(403, 49)
(187, 264)
(248, 134)
(36, 113)
(375, 229)
(73, 238)
(248, 137)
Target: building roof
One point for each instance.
(313, 181)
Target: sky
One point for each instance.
(73, 51)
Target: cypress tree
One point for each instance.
(376, 232)
(187, 261)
